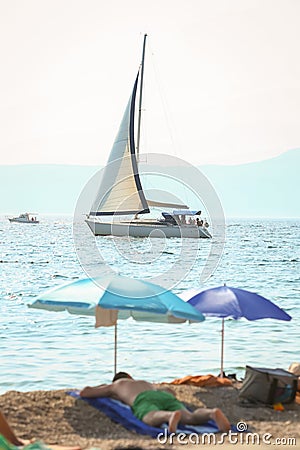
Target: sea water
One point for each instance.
(47, 350)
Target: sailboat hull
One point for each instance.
(144, 229)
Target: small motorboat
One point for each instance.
(24, 218)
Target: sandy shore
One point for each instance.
(57, 418)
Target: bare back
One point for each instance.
(127, 390)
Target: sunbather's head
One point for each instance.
(120, 375)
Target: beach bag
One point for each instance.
(268, 386)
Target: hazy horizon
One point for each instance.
(255, 189)
(222, 92)
(221, 79)
(97, 166)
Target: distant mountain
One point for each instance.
(267, 188)
(42, 188)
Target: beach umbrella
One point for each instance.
(225, 301)
(115, 297)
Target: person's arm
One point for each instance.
(7, 432)
(104, 390)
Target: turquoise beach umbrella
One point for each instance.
(116, 297)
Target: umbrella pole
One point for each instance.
(222, 349)
(115, 355)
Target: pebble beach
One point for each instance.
(55, 417)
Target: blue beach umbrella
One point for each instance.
(115, 297)
(225, 301)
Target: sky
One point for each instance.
(226, 73)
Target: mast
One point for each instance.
(140, 101)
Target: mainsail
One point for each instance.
(120, 191)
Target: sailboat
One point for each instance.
(121, 203)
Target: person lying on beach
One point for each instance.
(154, 405)
(7, 432)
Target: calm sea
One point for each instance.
(46, 350)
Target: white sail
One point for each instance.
(120, 191)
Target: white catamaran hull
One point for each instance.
(147, 229)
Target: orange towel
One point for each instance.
(203, 380)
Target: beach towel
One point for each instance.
(203, 380)
(121, 413)
(6, 445)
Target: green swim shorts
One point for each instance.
(154, 401)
